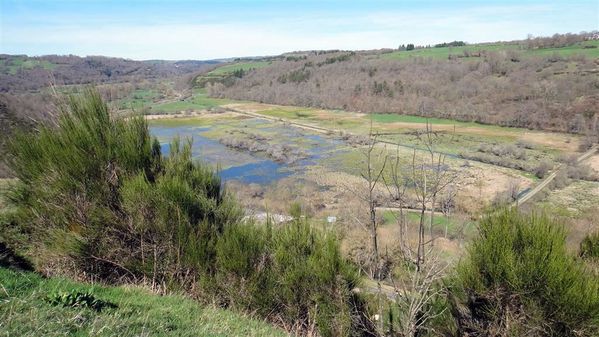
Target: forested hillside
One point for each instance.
(23, 73)
(544, 84)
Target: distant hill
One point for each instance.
(23, 100)
(20, 73)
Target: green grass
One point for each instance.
(4, 185)
(396, 118)
(230, 68)
(443, 53)
(344, 119)
(440, 222)
(199, 101)
(571, 50)
(14, 64)
(24, 311)
(138, 99)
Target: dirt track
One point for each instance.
(526, 197)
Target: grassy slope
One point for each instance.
(14, 64)
(24, 311)
(198, 101)
(440, 222)
(443, 53)
(229, 68)
(138, 99)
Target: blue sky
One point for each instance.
(180, 29)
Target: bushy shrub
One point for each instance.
(95, 193)
(294, 273)
(519, 277)
(542, 169)
(97, 199)
(583, 172)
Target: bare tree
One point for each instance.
(441, 175)
(375, 162)
(373, 176)
(397, 186)
(415, 295)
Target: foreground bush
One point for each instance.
(518, 279)
(294, 273)
(96, 199)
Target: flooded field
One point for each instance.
(250, 166)
(271, 163)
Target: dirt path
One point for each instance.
(526, 197)
(371, 286)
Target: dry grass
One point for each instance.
(357, 121)
(593, 162)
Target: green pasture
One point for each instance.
(230, 68)
(584, 48)
(14, 64)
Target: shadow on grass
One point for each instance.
(11, 260)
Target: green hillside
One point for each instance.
(230, 68)
(26, 310)
(12, 65)
(588, 48)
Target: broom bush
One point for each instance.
(519, 279)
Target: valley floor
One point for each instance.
(490, 158)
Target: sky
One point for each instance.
(202, 30)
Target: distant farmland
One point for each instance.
(588, 49)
